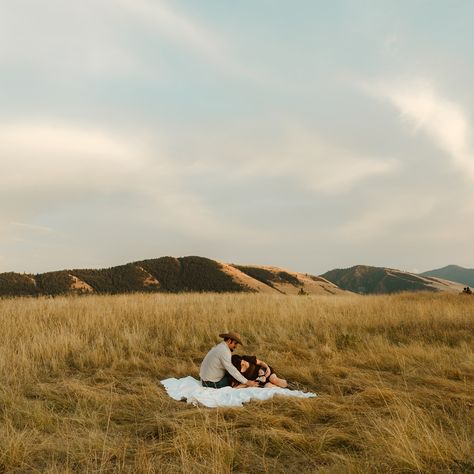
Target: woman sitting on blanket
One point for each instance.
(254, 369)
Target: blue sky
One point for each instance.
(308, 135)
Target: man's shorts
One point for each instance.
(225, 381)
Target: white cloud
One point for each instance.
(444, 121)
(64, 39)
(189, 33)
(98, 38)
(35, 229)
(176, 26)
(186, 212)
(39, 154)
(326, 167)
(41, 160)
(60, 138)
(22, 232)
(388, 215)
(295, 153)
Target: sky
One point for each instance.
(309, 135)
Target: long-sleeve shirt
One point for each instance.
(217, 362)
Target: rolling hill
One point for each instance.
(453, 273)
(167, 274)
(379, 280)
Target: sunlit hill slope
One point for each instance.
(167, 274)
(379, 280)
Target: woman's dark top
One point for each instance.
(252, 372)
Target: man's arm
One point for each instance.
(227, 363)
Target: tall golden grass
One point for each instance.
(80, 385)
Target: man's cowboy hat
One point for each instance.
(235, 336)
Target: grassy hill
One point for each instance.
(166, 274)
(16, 284)
(394, 377)
(378, 280)
(453, 273)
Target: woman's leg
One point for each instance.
(274, 380)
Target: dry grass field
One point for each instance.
(80, 385)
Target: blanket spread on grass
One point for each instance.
(191, 390)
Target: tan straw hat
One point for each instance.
(235, 336)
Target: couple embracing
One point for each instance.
(220, 368)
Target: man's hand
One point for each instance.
(251, 383)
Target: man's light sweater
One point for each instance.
(217, 362)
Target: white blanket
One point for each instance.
(192, 391)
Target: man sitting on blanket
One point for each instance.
(217, 369)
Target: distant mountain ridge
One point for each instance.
(200, 274)
(453, 273)
(167, 274)
(364, 279)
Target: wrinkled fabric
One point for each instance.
(191, 390)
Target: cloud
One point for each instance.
(293, 153)
(390, 215)
(39, 154)
(323, 166)
(444, 121)
(34, 229)
(176, 26)
(23, 232)
(47, 165)
(189, 33)
(96, 39)
(59, 40)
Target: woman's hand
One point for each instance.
(264, 366)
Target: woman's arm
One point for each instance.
(226, 362)
(265, 366)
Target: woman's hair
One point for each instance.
(236, 361)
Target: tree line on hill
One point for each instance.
(199, 274)
(173, 274)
